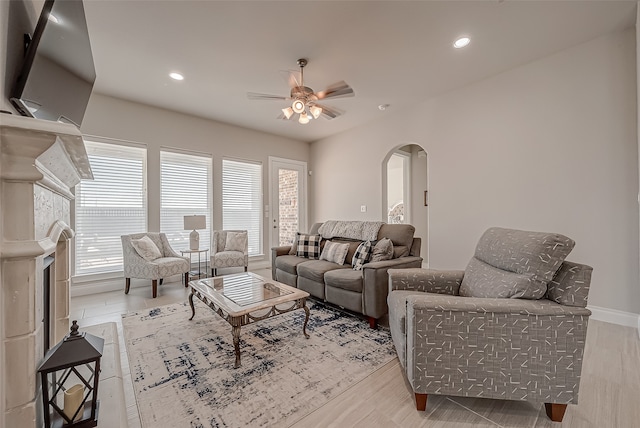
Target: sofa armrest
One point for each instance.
(280, 251)
(376, 283)
(426, 280)
(275, 252)
(452, 340)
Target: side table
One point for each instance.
(199, 273)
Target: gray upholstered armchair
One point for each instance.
(511, 326)
(168, 264)
(229, 248)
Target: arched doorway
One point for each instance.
(404, 191)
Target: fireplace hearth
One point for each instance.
(40, 164)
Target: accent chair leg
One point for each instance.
(186, 279)
(373, 322)
(154, 285)
(127, 285)
(161, 281)
(421, 401)
(245, 268)
(555, 411)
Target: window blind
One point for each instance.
(242, 200)
(185, 188)
(114, 203)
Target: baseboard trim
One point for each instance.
(114, 284)
(615, 316)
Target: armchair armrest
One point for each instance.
(426, 280)
(168, 250)
(452, 341)
(481, 305)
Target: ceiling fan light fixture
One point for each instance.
(303, 119)
(315, 111)
(288, 112)
(298, 105)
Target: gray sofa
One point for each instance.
(363, 291)
(511, 326)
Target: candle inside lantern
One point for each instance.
(72, 400)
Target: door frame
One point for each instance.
(276, 163)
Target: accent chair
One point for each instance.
(511, 326)
(157, 265)
(229, 248)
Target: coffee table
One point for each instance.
(245, 298)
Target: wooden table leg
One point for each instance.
(235, 331)
(306, 318)
(193, 308)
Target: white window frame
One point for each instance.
(78, 278)
(226, 224)
(205, 235)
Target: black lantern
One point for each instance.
(70, 373)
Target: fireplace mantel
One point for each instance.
(40, 164)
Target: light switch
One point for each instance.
(363, 208)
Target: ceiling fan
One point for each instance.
(305, 100)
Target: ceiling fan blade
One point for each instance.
(258, 96)
(340, 89)
(329, 112)
(291, 77)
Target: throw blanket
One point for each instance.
(361, 230)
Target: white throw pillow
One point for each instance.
(236, 241)
(334, 252)
(147, 249)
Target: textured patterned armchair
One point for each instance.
(230, 248)
(511, 326)
(169, 264)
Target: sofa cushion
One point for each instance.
(400, 234)
(362, 255)
(400, 251)
(514, 263)
(315, 269)
(289, 263)
(334, 252)
(346, 279)
(383, 250)
(308, 246)
(353, 246)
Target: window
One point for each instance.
(185, 189)
(242, 200)
(114, 203)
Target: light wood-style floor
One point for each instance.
(609, 390)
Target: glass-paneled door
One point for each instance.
(288, 212)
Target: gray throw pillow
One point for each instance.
(334, 252)
(382, 251)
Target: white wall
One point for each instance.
(548, 146)
(115, 118)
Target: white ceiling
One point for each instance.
(390, 52)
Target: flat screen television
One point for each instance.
(57, 74)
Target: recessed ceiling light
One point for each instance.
(53, 18)
(176, 76)
(461, 42)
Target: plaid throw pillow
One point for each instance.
(362, 255)
(308, 246)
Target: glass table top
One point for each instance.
(245, 289)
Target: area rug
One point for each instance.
(183, 373)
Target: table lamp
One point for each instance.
(194, 222)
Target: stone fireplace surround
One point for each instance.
(40, 164)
